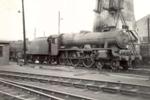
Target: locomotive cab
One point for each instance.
(53, 42)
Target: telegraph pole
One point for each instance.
(59, 22)
(34, 33)
(148, 29)
(24, 33)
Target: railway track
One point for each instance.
(92, 85)
(57, 95)
(11, 91)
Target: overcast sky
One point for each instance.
(42, 16)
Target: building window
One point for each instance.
(1, 51)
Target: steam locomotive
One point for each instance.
(87, 49)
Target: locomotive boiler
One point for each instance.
(117, 38)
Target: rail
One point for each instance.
(14, 91)
(45, 91)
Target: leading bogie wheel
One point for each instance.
(99, 65)
(115, 65)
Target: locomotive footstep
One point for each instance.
(37, 67)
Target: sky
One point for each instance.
(42, 17)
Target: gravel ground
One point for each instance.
(80, 73)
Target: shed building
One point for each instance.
(143, 28)
(4, 52)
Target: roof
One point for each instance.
(143, 18)
(4, 42)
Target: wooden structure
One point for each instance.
(4, 52)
